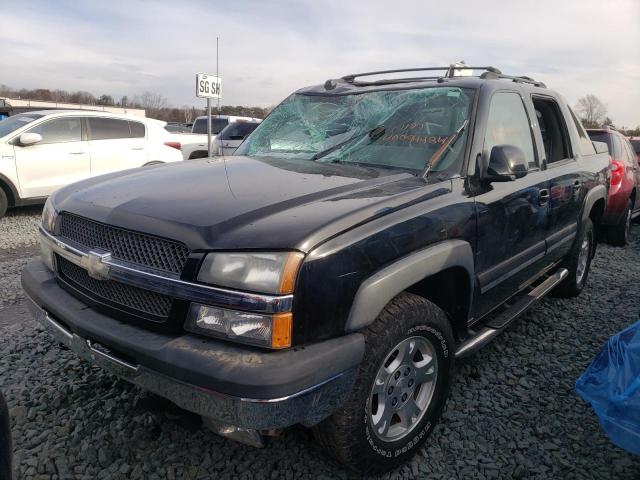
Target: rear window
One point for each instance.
(238, 130)
(107, 128)
(137, 130)
(217, 124)
(604, 137)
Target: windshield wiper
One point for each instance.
(374, 134)
(448, 144)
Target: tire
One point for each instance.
(5, 441)
(4, 202)
(349, 434)
(573, 284)
(618, 235)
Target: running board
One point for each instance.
(496, 325)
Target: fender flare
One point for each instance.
(596, 193)
(381, 287)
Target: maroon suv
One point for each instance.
(625, 179)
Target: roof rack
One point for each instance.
(489, 73)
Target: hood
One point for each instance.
(242, 202)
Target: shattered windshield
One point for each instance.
(406, 129)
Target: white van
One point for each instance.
(45, 150)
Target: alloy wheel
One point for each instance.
(403, 388)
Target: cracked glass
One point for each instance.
(403, 129)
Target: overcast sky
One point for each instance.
(270, 48)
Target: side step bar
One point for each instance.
(497, 324)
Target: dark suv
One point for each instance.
(367, 233)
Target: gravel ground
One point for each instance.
(513, 412)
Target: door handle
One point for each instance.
(543, 197)
(76, 153)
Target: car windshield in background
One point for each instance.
(12, 124)
(403, 129)
(238, 130)
(636, 145)
(217, 124)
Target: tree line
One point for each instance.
(155, 104)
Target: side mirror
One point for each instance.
(27, 139)
(506, 163)
(601, 147)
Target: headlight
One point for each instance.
(273, 273)
(49, 216)
(273, 331)
(48, 222)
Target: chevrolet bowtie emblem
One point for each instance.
(96, 264)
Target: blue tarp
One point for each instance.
(611, 384)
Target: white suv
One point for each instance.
(43, 151)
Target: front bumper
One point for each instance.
(233, 385)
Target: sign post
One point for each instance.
(208, 86)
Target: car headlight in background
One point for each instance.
(265, 272)
(49, 216)
(272, 331)
(48, 223)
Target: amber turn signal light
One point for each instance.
(290, 272)
(281, 330)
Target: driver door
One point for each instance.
(512, 215)
(60, 158)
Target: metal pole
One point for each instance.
(208, 127)
(217, 75)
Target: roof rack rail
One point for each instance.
(520, 79)
(488, 73)
(450, 71)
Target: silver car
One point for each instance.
(230, 138)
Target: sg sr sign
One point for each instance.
(208, 86)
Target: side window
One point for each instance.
(107, 128)
(508, 123)
(586, 146)
(553, 129)
(59, 130)
(137, 130)
(631, 155)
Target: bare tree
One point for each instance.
(591, 110)
(105, 99)
(153, 103)
(189, 113)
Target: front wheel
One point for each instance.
(578, 263)
(402, 386)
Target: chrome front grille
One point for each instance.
(115, 293)
(140, 249)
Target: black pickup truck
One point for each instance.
(369, 232)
